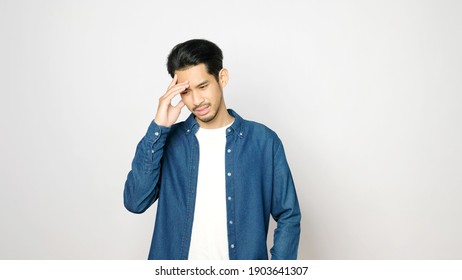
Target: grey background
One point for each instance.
(365, 95)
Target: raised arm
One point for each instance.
(143, 181)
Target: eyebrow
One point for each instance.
(202, 83)
(198, 86)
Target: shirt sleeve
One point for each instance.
(143, 181)
(285, 210)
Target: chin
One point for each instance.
(207, 118)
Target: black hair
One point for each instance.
(195, 52)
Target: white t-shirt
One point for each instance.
(209, 239)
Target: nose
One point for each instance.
(197, 98)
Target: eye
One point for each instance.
(185, 91)
(203, 86)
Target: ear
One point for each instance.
(223, 77)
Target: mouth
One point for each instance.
(203, 110)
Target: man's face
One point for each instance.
(204, 96)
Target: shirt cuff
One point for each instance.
(156, 132)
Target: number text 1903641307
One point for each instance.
(278, 270)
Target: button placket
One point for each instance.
(229, 156)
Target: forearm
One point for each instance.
(287, 237)
(288, 216)
(285, 210)
(141, 187)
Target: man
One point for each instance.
(216, 176)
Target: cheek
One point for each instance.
(214, 95)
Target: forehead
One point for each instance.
(194, 74)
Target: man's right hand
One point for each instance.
(167, 114)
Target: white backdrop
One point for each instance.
(365, 95)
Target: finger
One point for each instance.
(166, 100)
(175, 82)
(180, 105)
(175, 79)
(175, 90)
(182, 85)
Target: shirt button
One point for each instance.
(229, 130)
(230, 222)
(152, 151)
(187, 130)
(229, 174)
(229, 198)
(229, 150)
(156, 133)
(240, 134)
(232, 246)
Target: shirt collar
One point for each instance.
(191, 124)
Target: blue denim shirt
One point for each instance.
(258, 184)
